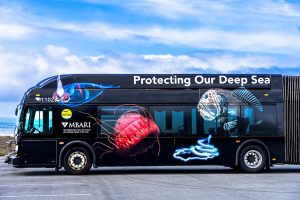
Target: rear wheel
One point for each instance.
(252, 159)
(77, 161)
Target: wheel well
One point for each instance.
(73, 144)
(253, 142)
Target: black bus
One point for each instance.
(247, 122)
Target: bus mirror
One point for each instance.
(16, 111)
(20, 126)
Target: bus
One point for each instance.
(77, 121)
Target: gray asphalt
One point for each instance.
(205, 182)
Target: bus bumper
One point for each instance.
(15, 161)
(7, 159)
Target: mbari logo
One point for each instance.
(64, 124)
(76, 124)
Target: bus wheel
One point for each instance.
(77, 161)
(252, 159)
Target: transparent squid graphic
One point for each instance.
(201, 151)
(133, 133)
(76, 94)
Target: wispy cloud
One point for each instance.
(146, 36)
(267, 38)
(198, 38)
(15, 31)
(24, 69)
(177, 9)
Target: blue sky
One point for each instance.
(44, 38)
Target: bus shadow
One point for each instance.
(153, 170)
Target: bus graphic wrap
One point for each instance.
(158, 120)
(213, 105)
(76, 94)
(131, 132)
(202, 151)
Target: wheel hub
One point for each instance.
(77, 160)
(253, 159)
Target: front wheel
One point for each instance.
(77, 161)
(252, 159)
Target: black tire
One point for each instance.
(77, 161)
(252, 159)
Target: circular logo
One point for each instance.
(66, 113)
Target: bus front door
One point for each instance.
(39, 146)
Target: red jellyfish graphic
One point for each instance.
(134, 132)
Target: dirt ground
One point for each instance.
(3, 145)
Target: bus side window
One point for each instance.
(194, 120)
(50, 122)
(212, 127)
(227, 123)
(39, 121)
(257, 122)
(116, 118)
(27, 124)
(173, 120)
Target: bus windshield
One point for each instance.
(19, 111)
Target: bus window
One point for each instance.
(110, 115)
(175, 125)
(227, 123)
(257, 122)
(38, 121)
(50, 121)
(212, 127)
(194, 120)
(175, 120)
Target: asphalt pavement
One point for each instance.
(171, 183)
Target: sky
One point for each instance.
(42, 38)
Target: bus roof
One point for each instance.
(60, 86)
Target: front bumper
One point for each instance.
(12, 159)
(7, 159)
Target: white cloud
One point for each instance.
(170, 9)
(175, 9)
(15, 31)
(56, 52)
(223, 25)
(23, 69)
(281, 8)
(178, 9)
(198, 38)
(42, 64)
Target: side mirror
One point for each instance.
(16, 111)
(21, 126)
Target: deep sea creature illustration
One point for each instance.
(131, 129)
(201, 151)
(134, 133)
(213, 105)
(76, 94)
